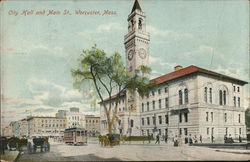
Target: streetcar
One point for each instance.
(75, 136)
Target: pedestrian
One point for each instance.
(195, 139)
(240, 139)
(166, 138)
(149, 138)
(212, 139)
(190, 140)
(175, 141)
(157, 139)
(200, 138)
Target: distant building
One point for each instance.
(23, 128)
(92, 124)
(61, 114)
(7, 131)
(75, 118)
(15, 128)
(52, 127)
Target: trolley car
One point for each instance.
(75, 136)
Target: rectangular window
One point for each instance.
(239, 118)
(153, 93)
(234, 101)
(132, 123)
(239, 130)
(180, 117)
(153, 105)
(205, 94)
(238, 102)
(207, 131)
(226, 131)
(159, 131)
(234, 89)
(166, 89)
(159, 91)
(148, 120)
(160, 119)
(225, 117)
(207, 116)
(166, 102)
(212, 116)
(147, 106)
(212, 131)
(180, 97)
(153, 118)
(185, 131)
(238, 89)
(180, 131)
(159, 103)
(166, 119)
(142, 121)
(142, 107)
(186, 95)
(186, 117)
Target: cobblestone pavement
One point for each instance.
(134, 151)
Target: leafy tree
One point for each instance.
(106, 75)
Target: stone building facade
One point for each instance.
(189, 101)
(92, 124)
(46, 126)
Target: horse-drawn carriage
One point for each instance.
(36, 143)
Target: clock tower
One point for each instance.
(136, 41)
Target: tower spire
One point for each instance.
(136, 6)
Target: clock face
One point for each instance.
(130, 54)
(142, 53)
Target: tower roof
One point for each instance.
(136, 6)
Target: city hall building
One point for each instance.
(190, 101)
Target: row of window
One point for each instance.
(159, 91)
(225, 117)
(238, 89)
(183, 96)
(159, 131)
(92, 121)
(154, 120)
(223, 98)
(74, 118)
(208, 97)
(212, 131)
(154, 104)
(49, 121)
(53, 125)
(235, 101)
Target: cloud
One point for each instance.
(201, 50)
(101, 28)
(169, 34)
(26, 47)
(44, 110)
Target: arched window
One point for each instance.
(186, 95)
(140, 23)
(220, 97)
(205, 94)
(224, 97)
(180, 97)
(210, 95)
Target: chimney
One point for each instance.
(178, 67)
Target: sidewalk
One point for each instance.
(9, 156)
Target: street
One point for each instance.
(133, 152)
